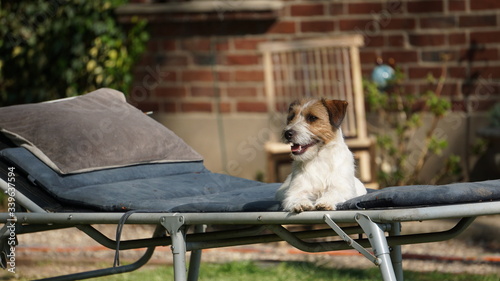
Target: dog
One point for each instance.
(323, 166)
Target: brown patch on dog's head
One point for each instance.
(337, 110)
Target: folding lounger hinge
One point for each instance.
(351, 241)
(173, 225)
(378, 241)
(175, 228)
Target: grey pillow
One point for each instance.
(90, 132)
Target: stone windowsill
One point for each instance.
(203, 9)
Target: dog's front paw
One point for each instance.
(298, 207)
(301, 208)
(324, 207)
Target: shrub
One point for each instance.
(400, 116)
(60, 48)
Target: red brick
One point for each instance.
(313, 9)
(170, 92)
(481, 54)
(457, 39)
(369, 25)
(242, 59)
(438, 22)
(456, 5)
(481, 105)
(398, 23)
(247, 44)
(248, 75)
(251, 107)
(317, 26)
(222, 45)
(202, 91)
(374, 41)
(177, 60)
(366, 70)
(145, 59)
(457, 72)
(338, 9)
(153, 46)
(482, 37)
(170, 107)
(478, 21)
(148, 76)
(368, 57)
(197, 75)
(283, 27)
(395, 40)
(394, 7)
(196, 44)
(423, 72)
(169, 45)
(224, 107)
(241, 91)
(487, 72)
(364, 8)
(458, 106)
(223, 76)
(438, 55)
(484, 4)
(372, 26)
(449, 89)
(196, 107)
(485, 88)
(425, 6)
(427, 39)
(402, 56)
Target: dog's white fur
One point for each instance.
(323, 175)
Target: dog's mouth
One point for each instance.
(298, 149)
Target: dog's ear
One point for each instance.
(337, 110)
(294, 103)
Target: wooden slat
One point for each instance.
(339, 41)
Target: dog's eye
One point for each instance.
(290, 117)
(311, 118)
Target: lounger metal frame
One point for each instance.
(372, 226)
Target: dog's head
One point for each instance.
(311, 124)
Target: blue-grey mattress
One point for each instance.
(190, 187)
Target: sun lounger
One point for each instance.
(95, 159)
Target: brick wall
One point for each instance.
(210, 62)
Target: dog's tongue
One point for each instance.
(296, 148)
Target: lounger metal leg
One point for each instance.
(111, 270)
(396, 254)
(195, 260)
(379, 246)
(175, 227)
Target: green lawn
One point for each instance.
(250, 271)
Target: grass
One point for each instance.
(286, 271)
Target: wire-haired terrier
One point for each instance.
(323, 167)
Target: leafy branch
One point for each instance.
(400, 116)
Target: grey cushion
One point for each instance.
(90, 132)
(425, 195)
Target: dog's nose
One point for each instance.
(289, 134)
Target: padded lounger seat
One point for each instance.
(180, 196)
